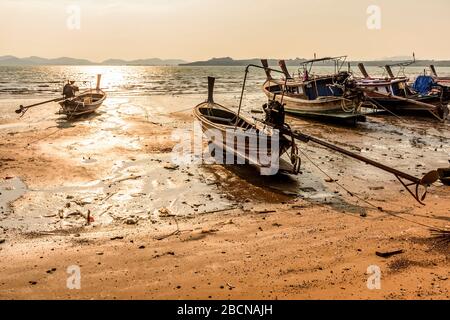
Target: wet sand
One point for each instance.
(158, 231)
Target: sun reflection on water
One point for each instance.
(47, 81)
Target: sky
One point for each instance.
(201, 29)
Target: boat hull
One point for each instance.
(395, 95)
(296, 104)
(256, 140)
(87, 102)
(395, 104)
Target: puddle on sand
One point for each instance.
(145, 189)
(10, 190)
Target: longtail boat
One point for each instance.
(394, 94)
(232, 126)
(444, 81)
(214, 116)
(311, 95)
(86, 102)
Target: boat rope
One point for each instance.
(45, 137)
(183, 110)
(352, 194)
(73, 112)
(296, 160)
(353, 108)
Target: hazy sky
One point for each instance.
(201, 29)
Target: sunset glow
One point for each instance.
(201, 29)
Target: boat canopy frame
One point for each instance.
(247, 70)
(402, 65)
(339, 62)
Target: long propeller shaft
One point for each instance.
(24, 108)
(425, 181)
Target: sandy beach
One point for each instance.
(161, 231)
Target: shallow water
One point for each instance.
(144, 81)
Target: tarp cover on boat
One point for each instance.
(423, 84)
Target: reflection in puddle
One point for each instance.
(10, 190)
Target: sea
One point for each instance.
(47, 81)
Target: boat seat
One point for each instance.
(87, 100)
(213, 118)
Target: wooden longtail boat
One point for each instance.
(312, 95)
(233, 128)
(394, 94)
(218, 118)
(444, 81)
(86, 102)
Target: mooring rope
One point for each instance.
(45, 137)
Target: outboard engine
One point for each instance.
(275, 115)
(445, 101)
(341, 77)
(445, 95)
(350, 88)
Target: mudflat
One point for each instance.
(103, 194)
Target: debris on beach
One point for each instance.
(388, 254)
(131, 221)
(171, 166)
(52, 270)
(165, 213)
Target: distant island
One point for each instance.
(226, 61)
(38, 61)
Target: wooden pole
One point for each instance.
(433, 70)
(283, 67)
(363, 70)
(99, 78)
(389, 71)
(265, 64)
(211, 81)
